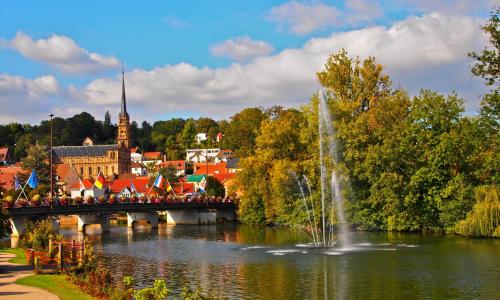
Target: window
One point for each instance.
(98, 169)
(113, 169)
(90, 171)
(81, 171)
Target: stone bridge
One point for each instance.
(175, 212)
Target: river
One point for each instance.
(245, 262)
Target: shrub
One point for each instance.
(39, 234)
(484, 219)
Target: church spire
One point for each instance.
(123, 111)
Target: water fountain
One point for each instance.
(322, 235)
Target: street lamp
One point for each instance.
(51, 162)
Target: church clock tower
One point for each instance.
(124, 121)
(123, 137)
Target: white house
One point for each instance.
(139, 169)
(200, 137)
(201, 155)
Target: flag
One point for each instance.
(132, 187)
(169, 187)
(202, 185)
(82, 186)
(33, 180)
(99, 181)
(158, 181)
(17, 185)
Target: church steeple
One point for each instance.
(123, 122)
(123, 111)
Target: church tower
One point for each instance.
(124, 121)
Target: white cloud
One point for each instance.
(241, 48)
(62, 53)
(419, 52)
(458, 7)
(302, 18)
(22, 98)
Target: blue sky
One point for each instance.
(213, 58)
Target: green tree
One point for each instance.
(188, 133)
(37, 159)
(487, 63)
(242, 130)
(214, 187)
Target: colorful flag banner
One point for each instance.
(132, 188)
(33, 180)
(158, 181)
(99, 181)
(17, 184)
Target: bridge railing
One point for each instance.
(67, 201)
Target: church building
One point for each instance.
(89, 160)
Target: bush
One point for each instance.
(484, 219)
(38, 235)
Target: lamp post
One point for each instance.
(51, 162)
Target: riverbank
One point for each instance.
(19, 282)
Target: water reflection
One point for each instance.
(269, 263)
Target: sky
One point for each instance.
(197, 58)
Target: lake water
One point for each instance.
(244, 262)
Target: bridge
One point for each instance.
(175, 212)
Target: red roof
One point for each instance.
(152, 155)
(88, 183)
(62, 170)
(7, 181)
(136, 165)
(180, 165)
(140, 184)
(223, 177)
(210, 169)
(184, 188)
(13, 170)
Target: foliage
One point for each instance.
(214, 187)
(5, 228)
(159, 291)
(38, 235)
(484, 219)
(487, 63)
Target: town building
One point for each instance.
(139, 169)
(201, 155)
(5, 156)
(135, 155)
(89, 160)
(179, 165)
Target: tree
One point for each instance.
(188, 133)
(242, 130)
(5, 227)
(37, 159)
(487, 63)
(214, 187)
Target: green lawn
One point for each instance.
(20, 257)
(56, 284)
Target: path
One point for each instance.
(9, 273)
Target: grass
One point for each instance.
(56, 284)
(20, 257)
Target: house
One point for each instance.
(201, 137)
(123, 187)
(5, 156)
(13, 170)
(88, 189)
(184, 188)
(195, 180)
(179, 165)
(139, 169)
(66, 175)
(232, 165)
(201, 155)
(223, 155)
(154, 157)
(135, 155)
(210, 168)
